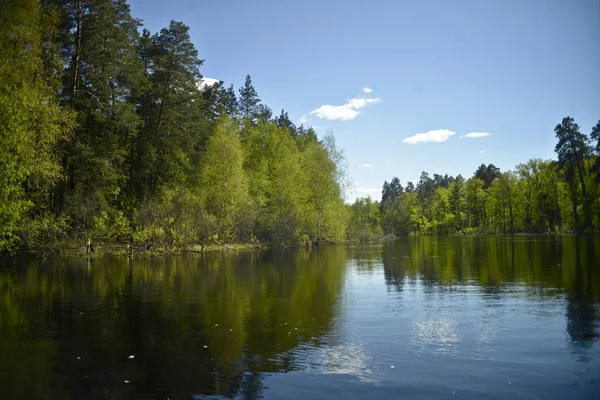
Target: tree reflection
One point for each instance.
(543, 266)
(155, 328)
(581, 308)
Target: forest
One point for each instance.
(537, 197)
(109, 136)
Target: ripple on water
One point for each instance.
(436, 335)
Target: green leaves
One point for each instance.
(224, 183)
(31, 121)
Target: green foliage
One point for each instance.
(595, 135)
(177, 219)
(224, 181)
(107, 135)
(364, 220)
(276, 183)
(572, 148)
(45, 233)
(168, 150)
(110, 228)
(323, 211)
(538, 197)
(32, 122)
(487, 174)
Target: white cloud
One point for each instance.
(365, 165)
(354, 193)
(476, 135)
(342, 113)
(367, 90)
(483, 151)
(345, 112)
(367, 190)
(303, 119)
(438, 136)
(204, 82)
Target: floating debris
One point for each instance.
(205, 346)
(131, 356)
(125, 381)
(392, 366)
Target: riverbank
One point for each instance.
(129, 250)
(81, 250)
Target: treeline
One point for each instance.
(537, 197)
(109, 135)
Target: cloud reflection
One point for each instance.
(436, 335)
(348, 359)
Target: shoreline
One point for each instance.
(136, 251)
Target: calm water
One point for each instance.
(416, 318)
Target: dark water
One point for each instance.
(417, 318)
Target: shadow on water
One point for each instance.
(162, 328)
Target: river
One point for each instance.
(428, 317)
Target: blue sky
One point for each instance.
(511, 69)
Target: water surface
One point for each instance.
(425, 317)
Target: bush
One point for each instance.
(46, 232)
(176, 219)
(110, 227)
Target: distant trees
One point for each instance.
(487, 174)
(572, 148)
(364, 221)
(537, 197)
(595, 135)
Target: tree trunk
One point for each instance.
(77, 56)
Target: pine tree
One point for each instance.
(249, 101)
(174, 129)
(283, 121)
(264, 114)
(231, 103)
(595, 135)
(215, 101)
(100, 38)
(572, 147)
